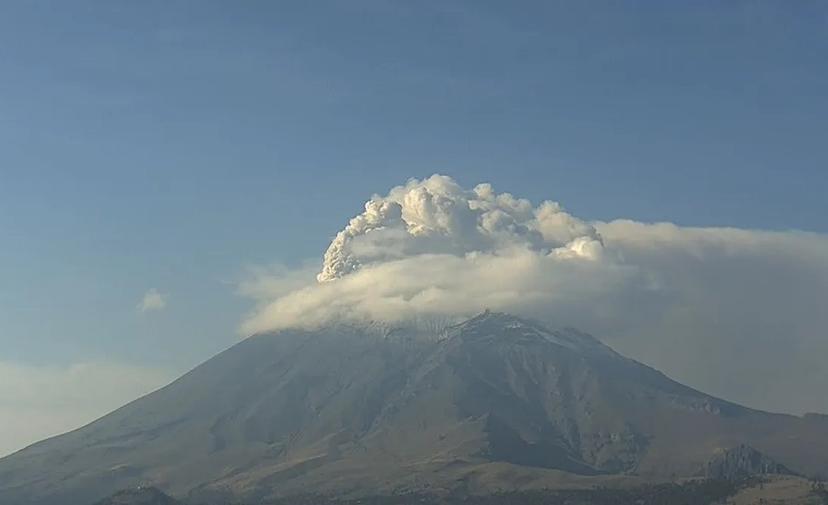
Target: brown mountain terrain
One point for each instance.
(496, 402)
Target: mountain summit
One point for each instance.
(494, 402)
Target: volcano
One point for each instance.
(496, 402)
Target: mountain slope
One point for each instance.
(139, 496)
(493, 401)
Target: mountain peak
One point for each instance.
(508, 329)
(742, 461)
(499, 319)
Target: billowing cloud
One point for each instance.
(724, 310)
(437, 216)
(433, 249)
(40, 401)
(152, 300)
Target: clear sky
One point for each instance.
(171, 145)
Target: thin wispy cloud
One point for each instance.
(152, 300)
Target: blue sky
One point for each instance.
(171, 145)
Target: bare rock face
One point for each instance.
(743, 461)
(496, 402)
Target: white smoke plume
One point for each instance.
(433, 249)
(721, 309)
(437, 216)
